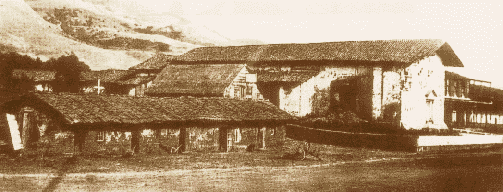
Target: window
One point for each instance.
(453, 116)
(242, 91)
(101, 136)
(237, 135)
(249, 90)
(164, 132)
(273, 131)
(429, 104)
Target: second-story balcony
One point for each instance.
(462, 88)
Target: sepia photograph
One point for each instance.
(250, 95)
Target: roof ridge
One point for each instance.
(323, 42)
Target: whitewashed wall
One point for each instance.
(144, 86)
(240, 81)
(298, 100)
(426, 75)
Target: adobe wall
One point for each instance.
(314, 94)
(250, 88)
(202, 139)
(34, 132)
(245, 136)
(349, 139)
(114, 143)
(420, 79)
(242, 137)
(119, 142)
(391, 96)
(275, 137)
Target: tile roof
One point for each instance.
(285, 76)
(89, 108)
(403, 51)
(197, 79)
(136, 80)
(158, 61)
(35, 75)
(105, 75)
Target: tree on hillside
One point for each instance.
(68, 69)
(6, 67)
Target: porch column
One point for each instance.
(182, 139)
(78, 141)
(135, 140)
(26, 128)
(377, 92)
(222, 139)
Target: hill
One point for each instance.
(25, 32)
(128, 19)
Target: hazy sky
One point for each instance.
(472, 29)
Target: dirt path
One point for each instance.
(417, 174)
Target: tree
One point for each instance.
(68, 69)
(7, 66)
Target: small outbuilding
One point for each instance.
(115, 124)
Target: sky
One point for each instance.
(472, 29)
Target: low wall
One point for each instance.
(393, 142)
(348, 139)
(458, 140)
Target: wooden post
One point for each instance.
(182, 140)
(222, 139)
(135, 140)
(25, 133)
(79, 140)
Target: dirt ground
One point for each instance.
(425, 174)
(212, 160)
(339, 168)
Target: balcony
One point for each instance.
(468, 90)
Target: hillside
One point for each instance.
(129, 19)
(23, 30)
(102, 33)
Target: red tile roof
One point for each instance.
(158, 61)
(402, 51)
(285, 76)
(194, 79)
(110, 75)
(88, 109)
(35, 75)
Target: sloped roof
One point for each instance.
(454, 75)
(461, 73)
(285, 76)
(105, 75)
(198, 79)
(403, 51)
(35, 75)
(88, 109)
(136, 80)
(158, 61)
